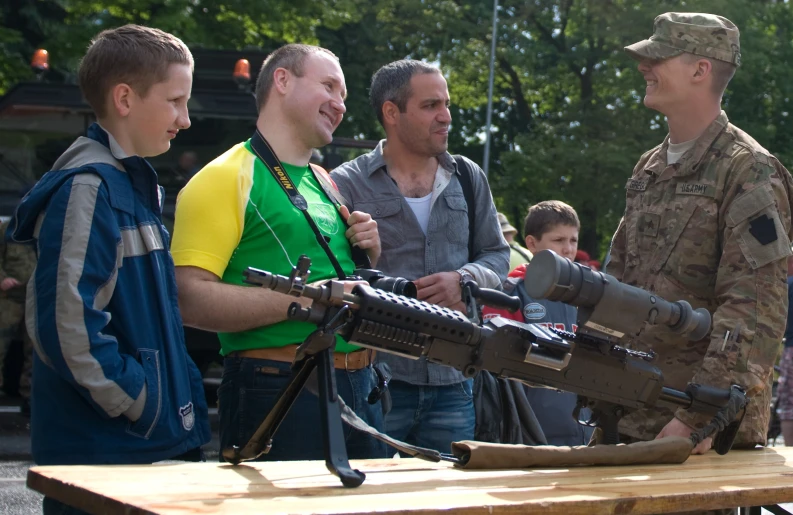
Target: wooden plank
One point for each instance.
(741, 478)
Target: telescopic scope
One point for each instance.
(606, 306)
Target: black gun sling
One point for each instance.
(264, 151)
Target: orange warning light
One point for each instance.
(41, 60)
(242, 71)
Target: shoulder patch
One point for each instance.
(763, 229)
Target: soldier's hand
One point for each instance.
(677, 428)
(9, 283)
(362, 232)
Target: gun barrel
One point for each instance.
(676, 397)
(275, 282)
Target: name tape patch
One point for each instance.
(637, 185)
(705, 190)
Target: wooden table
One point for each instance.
(741, 478)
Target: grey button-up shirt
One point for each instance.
(408, 252)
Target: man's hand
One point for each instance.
(9, 283)
(442, 289)
(362, 232)
(349, 285)
(677, 428)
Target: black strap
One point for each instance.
(466, 183)
(264, 151)
(349, 417)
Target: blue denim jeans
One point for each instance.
(431, 416)
(249, 389)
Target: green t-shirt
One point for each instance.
(274, 234)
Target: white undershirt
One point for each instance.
(421, 208)
(676, 151)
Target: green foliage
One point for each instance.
(568, 118)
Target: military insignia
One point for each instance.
(704, 190)
(534, 311)
(188, 416)
(763, 229)
(637, 185)
(648, 224)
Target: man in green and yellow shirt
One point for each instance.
(234, 214)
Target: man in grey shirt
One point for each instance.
(411, 185)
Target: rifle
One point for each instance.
(608, 378)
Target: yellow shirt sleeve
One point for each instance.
(210, 212)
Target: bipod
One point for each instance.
(316, 352)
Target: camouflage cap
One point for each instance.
(702, 34)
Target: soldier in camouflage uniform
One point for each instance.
(16, 265)
(707, 220)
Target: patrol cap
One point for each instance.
(708, 35)
(506, 227)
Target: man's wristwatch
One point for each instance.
(465, 276)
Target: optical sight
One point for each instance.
(606, 307)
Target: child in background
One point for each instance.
(550, 225)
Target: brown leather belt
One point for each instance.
(350, 361)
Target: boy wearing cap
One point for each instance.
(707, 220)
(517, 254)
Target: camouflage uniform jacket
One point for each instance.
(17, 261)
(713, 229)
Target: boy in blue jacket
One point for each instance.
(113, 383)
(550, 225)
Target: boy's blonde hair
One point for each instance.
(132, 54)
(542, 217)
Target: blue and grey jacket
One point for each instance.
(113, 381)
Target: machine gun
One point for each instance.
(609, 378)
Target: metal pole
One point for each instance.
(489, 118)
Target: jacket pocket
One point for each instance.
(144, 426)
(390, 220)
(456, 227)
(691, 251)
(755, 221)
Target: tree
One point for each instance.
(569, 122)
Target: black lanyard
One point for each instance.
(264, 151)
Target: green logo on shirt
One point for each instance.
(325, 217)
